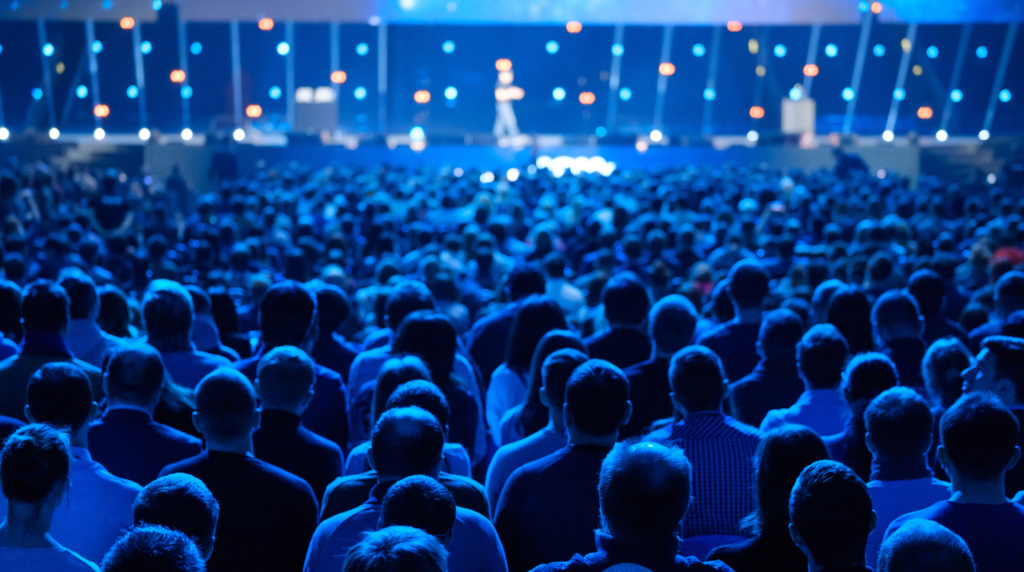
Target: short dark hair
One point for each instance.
(900, 423)
(924, 546)
(285, 376)
(44, 307)
(1009, 291)
(895, 309)
(401, 548)
(596, 396)
(392, 374)
(1009, 354)
(524, 280)
(34, 459)
(979, 434)
(180, 502)
(672, 322)
(625, 299)
(831, 509)
(154, 549)
(942, 370)
(81, 291)
(226, 401)
(134, 373)
(167, 310)
(557, 370)
(287, 314)
(60, 395)
(406, 441)
(697, 378)
(927, 287)
(420, 502)
(406, 297)
(821, 356)
(748, 284)
(780, 332)
(644, 489)
(781, 455)
(868, 375)
(849, 310)
(332, 305)
(536, 316)
(423, 394)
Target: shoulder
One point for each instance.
(327, 373)
(713, 333)
(183, 466)
(459, 482)
(315, 441)
(90, 370)
(740, 427)
(213, 359)
(172, 434)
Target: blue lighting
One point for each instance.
(780, 51)
(360, 93)
(982, 52)
(699, 50)
(601, 131)
(133, 92)
(96, 47)
(863, 6)
(275, 92)
(831, 50)
(47, 50)
(37, 93)
(956, 95)
(417, 134)
(64, 5)
(625, 94)
(146, 47)
(186, 92)
(1, 49)
(450, 92)
(447, 47)
(848, 93)
(157, 4)
(899, 94)
(107, 4)
(709, 94)
(618, 49)
(82, 92)
(551, 47)
(283, 48)
(796, 93)
(362, 49)
(1004, 96)
(196, 48)
(14, 5)
(878, 50)
(558, 93)
(932, 52)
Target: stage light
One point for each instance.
(196, 48)
(59, 68)
(359, 93)
(275, 92)
(831, 50)
(917, 69)
(625, 94)
(338, 76)
(486, 177)
(127, 23)
(906, 45)
(991, 178)
(4, 134)
(238, 134)
(667, 68)
(265, 24)
(1004, 96)
(37, 93)
(848, 93)
(956, 96)
(144, 134)
(932, 52)
(146, 47)
(417, 134)
(757, 112)
(283, 48)
(107, 4)
(753, 136)
(48, 49)
(186, 134)
(587, 98)
(709, 94)
(96, 46)
(573, 27)
(797, 93)
(888, 136)
(863, 6)
(362, 49)
(82, 92)
(642, 146)
(157, 4)
(551, 47)
(133, 92)
(601, 131)
(558, 94)
(512, 175)
(448, 47)
(253, 111)
(421, 96)
(881, 173)
(618, 49)
(99, 133)
(177, 76)
(760, 71)
(458, 172)
(925, 112)
(101, 111)
(753, 46)
(699, 50)
(504, 64)
(984, 135)
(898, 94)
(876, 7)
(186, 92)
(982, 52)
(941, 135)
(656, 136)
(54, 133)
(878, 50)
(811, 70)
(450, 93)
(733, 26)
(780, 51)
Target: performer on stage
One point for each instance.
(504, 93)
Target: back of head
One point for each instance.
(397, 549)
(420, 502)
(644, 489)
(1009, 294)
(831, 510)
(924, 546)
(35, 459)
(180, 502)
(928, 289)
(557, 369)
(200, 299)
(423, 394)
(286, 375)
(552, 342)
(780, 332)
(60, 395)
(979, 434)
(1009, 360)
(394, 373)
(406, 297)
(868, 375)
(625, 300)
(821, 356)
(225, 404)
(781, 456)
(168, 311)
(44, 307)
(821, 298)
(941, 370)
(896, 315)
(523, 281)
(536, 316)
(697, 379)
(850, 312)
(433, 338)
(899, 422)
(134, 374)
(153, 549)
(332, 305)
(81, 291)
(748, 284)
(597, 396)
(672, 322)
(287, 314)
(406, 441)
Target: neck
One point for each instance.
(900, 468)
(150, 407)
(747, 315)
(813, 566)
(27, 526)
(241, 445)
(577, 438)
(296, 410)
(81, 438)
(978, 492)
(658, 354)
(625, 326)
(555, 421)
(171, 343)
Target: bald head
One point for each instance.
(285, 377)
(644, 489)
(225, 405)
(406, 441)
(925, 546)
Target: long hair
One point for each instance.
(431, 337)
(537, 316)
(850, 312)
(534, 415)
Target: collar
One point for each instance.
(279, 420)
(703, 416)
(84, 326)
(129, 410)
(659, 554)
(377, 493)
(900, 469)
(80, 453)
(783, 366)
(45, 344)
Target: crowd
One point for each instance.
(387, 369)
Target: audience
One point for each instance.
(154, 549)
(397, 548)
(898, 326)
(420, 502)
(775, 382)
(84, 338)
(625, 341)
(488, 339)
(180, 502)
(929, 291)
(1007, 298)
(736, 340)
(925, 546)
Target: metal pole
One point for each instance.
(186, 107)
(659, 101)
(709, 104)
(858, 69)
(47, 81)
(140, 75)
(382, 77)
(236, 74)
(94, 79)
(901, 78)
(289, 95)
(614, 78)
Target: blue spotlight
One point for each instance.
(709, 94)
(275, 92)
(551, 47)
(878, 50)
(956, 96)
(796, 93)
(1004, 96)
(447, 47)
(283, 48)
(932, 52)
(37, 93)
(362, 49)
(618, 49)
(863, 6)
(848, 93)
(982, 52)
(186, 92)
(625, 94)
(133, 92)
(82, 92)
(450, 93)
(831, 50)
(558, 93)
(699, 50)
(601, 131)
(780, 51)
(48, 49)
(158, 4)
(96, 47)
(107, 4)
(899, 94)
(360, 93)
(196, 48)
(146, 47)
(417, 134)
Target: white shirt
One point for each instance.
(507, 389)
(514, 455)
(893, 499)
(823, 410)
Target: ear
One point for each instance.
(197, 423)
(369, 457)
(943, 456)
(259, 390)
(870, 442)
(797, 539)
(675, 403)
(544, 397)
(874, 522)
(94, 412)
(567, 416)
(628, 414)
(309, 398)
(257, 416)
(28, 415)
(1013, 459)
